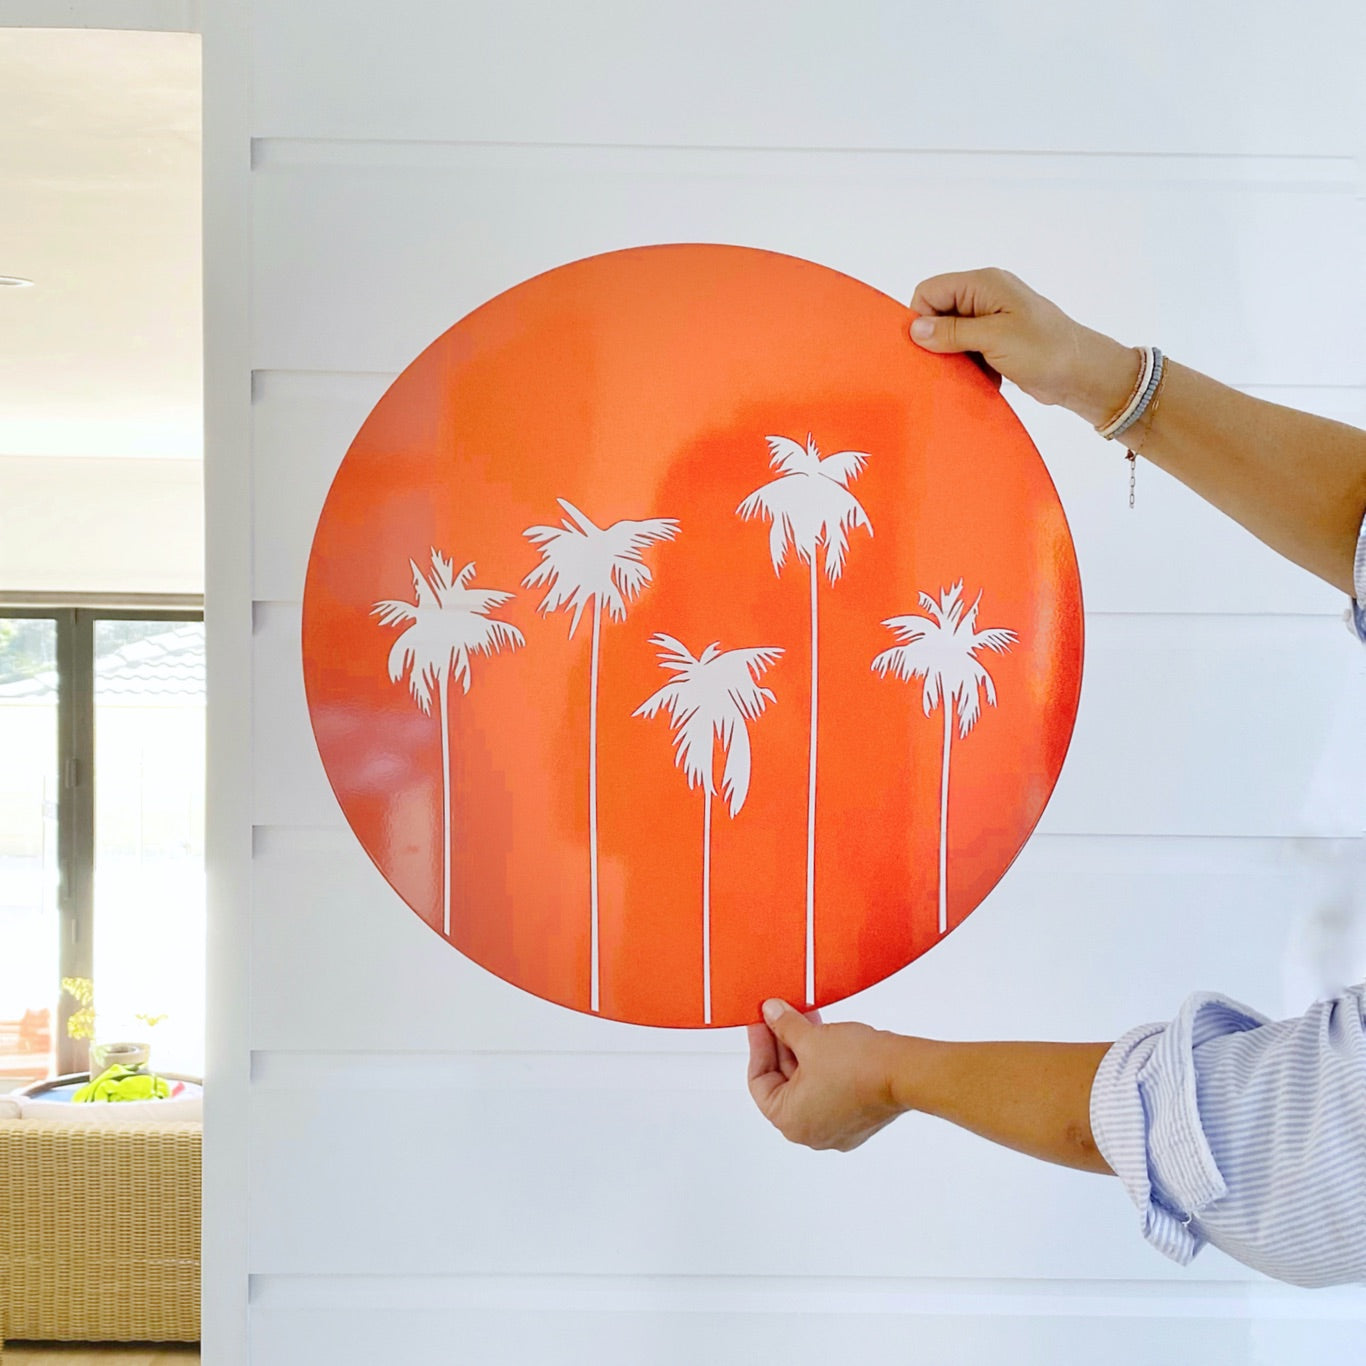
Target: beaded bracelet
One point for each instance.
(1145, 371)
(1143, 399)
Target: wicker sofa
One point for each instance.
(99, 1231)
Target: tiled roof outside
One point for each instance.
(166, 667)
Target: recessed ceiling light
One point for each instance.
(14, 282)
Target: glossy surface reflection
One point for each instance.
(730, 474)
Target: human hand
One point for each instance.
(1026, 338)
(822, 1085)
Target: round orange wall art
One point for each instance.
(678, 634)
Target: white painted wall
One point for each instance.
(410, 1161)
(75, 524)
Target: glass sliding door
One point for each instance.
(30, 938)
(149, 837)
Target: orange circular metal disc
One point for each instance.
(564, 602)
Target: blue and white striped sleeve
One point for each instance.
(1226, 1128)
(1356, 614)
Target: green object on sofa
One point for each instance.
(123, 1083)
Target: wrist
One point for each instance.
(905, 1061)
(1105, 375)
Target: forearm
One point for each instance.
(1295, 481)
(1033, 1097)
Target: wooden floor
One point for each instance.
(35, 1354)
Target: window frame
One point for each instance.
(75, 620)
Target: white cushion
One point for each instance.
(9, 1107)
(177, 1110)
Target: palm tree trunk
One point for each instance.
(593, 809)
(706, 910)
(947, 703)
(445, 804)
(811, 805)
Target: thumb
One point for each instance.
(791, 1026)
(947, 333)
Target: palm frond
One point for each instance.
(732, 677)
(967, 696)
(553, 573)
(423, 590)
(643, 534)
(843, 466)
(951, 604)
(542, 535)
(782, 534)
(787, 455)
(933, 692)
(422, 680)
(988, 685)
(672, 697)
(580, 601)
(909, 628)
(994, 638)
(969, 618)
(693, 751)
(392, 611)
(498, 635)
(402, 657)
(443, 578)
(575, 520)
(484, 600)
(734, 737)
(458, 666)
(750, 701)
(673, 653)
(759, 659)
(629, 577)
(767, 501)
(770, 503)
(902, 661)
(837, 534)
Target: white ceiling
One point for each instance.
(99, 206)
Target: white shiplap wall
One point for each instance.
(420, 1164)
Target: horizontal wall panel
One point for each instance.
(363, 255)
(764, 72)
(587, 1321)
(1171, 553)
(1191, 1296)
(302, 425)
(657, 1183)
(1187, 726)
(1028, 963)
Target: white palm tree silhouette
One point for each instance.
(810, 506)
(582, 563)
(447, 624)
(711, 698)
(941, 648)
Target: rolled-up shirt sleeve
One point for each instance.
(1356, 613)
(1230, 1129)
